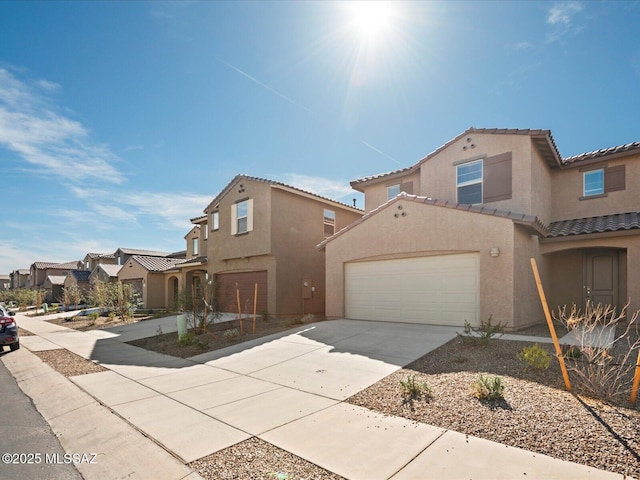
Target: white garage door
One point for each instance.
(437, 290)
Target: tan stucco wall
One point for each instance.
(527, 309)
(429, 230)
(132, 270)
(376, 194)
(567, 188)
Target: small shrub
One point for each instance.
(571, 352)
(485, 388)
(94, 315)
(459, 358)
(414, 389)
(534, 357)
(186, 339)
(231, 334)
(482, 334)
(265, 316)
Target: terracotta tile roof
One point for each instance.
(157, 264)
(605, 152)
(530, 222)
(604, 223)
(101, 255)
(242, 176)
(202, 260)
(146, 253)
(199, 219)
(43, 265)
(542, 139)
(66, 266)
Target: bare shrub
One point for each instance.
(608, 343)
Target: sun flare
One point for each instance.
(371, 19)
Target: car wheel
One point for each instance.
(14, 346)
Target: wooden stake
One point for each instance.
(552, 329)
(636, 380)
(239, 309)
(255, 306)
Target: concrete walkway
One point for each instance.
(287, 389)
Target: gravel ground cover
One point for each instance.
(69, 364)
(536, 414)
(258, 460)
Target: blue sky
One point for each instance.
(120, 121)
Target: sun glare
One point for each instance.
(371, 19)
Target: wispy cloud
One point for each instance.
(377, 150)
(50, 143)
(322, 186)
(164, 209)
(562, 18)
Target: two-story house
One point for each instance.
(92, 260)
(262, 232)
(450, 238)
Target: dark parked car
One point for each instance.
(8, 330)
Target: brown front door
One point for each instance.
(601, 276)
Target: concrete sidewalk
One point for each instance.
(287, 389)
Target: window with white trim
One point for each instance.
(593, 182)
(242, 217)
(329, 222)
(469, 182)
(215, 219)
(195, 245)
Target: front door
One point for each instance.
(601, 276)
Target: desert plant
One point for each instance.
(459, 358)
(485, 388)
(414, 389)
(482, 334)
(94, 316)
(187, 339)
(199, 303)
(534, 357)
(607, 359)
(231, 334)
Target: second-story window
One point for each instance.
(329, 221)
(469, 182)
(215, 219)
(205, 230)
(242, 217)
(393, 191)
(196, 246)
(593, 182)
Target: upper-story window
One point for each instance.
(242, 217)
(329, 221)
(196, 245)
(215, 221)
(593, 182)
(469, 182)
(205, 231)
(393, 191)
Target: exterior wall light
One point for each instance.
(495, 251)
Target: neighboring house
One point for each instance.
(450, 238)
(19, 278)
(53, 286)
(5, 282)
(92, 260)
(146, 274)
(263, 232)
(79, 279)
(104, 273)
(39, 271)
(122, 255)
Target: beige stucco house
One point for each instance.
(449, 239)
(92, 260)
(80, 280)
(258, 231)
(104, 273)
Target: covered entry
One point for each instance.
(437, 290)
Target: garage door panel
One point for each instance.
(435, 290)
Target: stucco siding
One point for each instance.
(428, 230)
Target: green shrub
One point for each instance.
(94, 315)
(535, 357)
(485, 388)
(186, 339)
(414, 389)
(482, 334)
